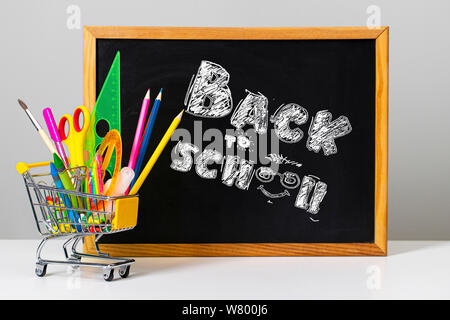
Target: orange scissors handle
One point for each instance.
(74, 139)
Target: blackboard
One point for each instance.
(338, 76)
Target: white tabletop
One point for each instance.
(412, 270)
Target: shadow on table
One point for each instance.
(402, 247)
(147, 266)
(155, 265)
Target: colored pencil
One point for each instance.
(67, 184)
(99, 177)
(146, 138)
(64, 198)
(159, 149)
(139, 129)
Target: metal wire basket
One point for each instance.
(74, 214)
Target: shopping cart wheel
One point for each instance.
(124, 271)
(108, 274)
(41, 269)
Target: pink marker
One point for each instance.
(139, 129)
(98, 161)
(54, 134)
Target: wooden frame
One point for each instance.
(381, 36)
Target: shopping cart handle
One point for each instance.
(23, 167)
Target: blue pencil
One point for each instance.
(146, 138)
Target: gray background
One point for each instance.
(42, 63)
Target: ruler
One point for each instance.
(106, 114)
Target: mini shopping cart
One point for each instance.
(73, 214)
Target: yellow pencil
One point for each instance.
(156, 154)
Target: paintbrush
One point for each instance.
(38, 127)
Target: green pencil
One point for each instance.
(65, 179)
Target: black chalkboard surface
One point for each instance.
(182, 207)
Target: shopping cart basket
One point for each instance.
(73, 214)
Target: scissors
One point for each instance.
(74, 139)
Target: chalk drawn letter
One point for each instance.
(230, 140)
(319, 193)
(230, 170)
(243, 142)
(201, 163)
(282, 118)
(183, 149)
(322, 132)
(245, 174)
(238, 172)
(208, 94)
(252, 110)
(320, 190)
(303, 193)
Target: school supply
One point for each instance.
(139, 128)
(98, 174)
(59, 215)
(148, 167)
(111, 142)
(64, 210)
(76, 135)
(67, 185)
(126, 175)
(91, 181)
(122, 185)
(146, 138)
(106, 112)
(65, 199)
(95, 187)
(54, 134)
(44, 200)
(38, 127)
(65, 178)
(81, 204)
(96, 205)
(88, 189)
(106, 185)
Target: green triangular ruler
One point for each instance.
(107, 108)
